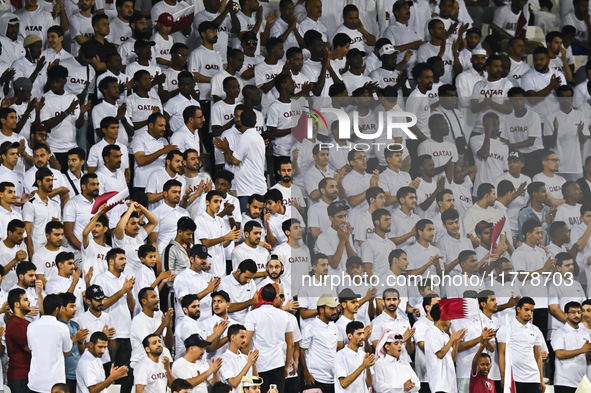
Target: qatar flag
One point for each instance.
(111, 199)
(496, 230)
(457, 308)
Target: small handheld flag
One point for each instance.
(458, 309)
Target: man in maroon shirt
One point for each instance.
(19, 355)
(481, 364)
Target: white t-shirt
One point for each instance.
(249, 176)
(519, 129)
(208, 63)
(63, 136)
(149, 145)
(283, 116)
(151, 375)
(496, 163)
(497, 90)
(44, 260)
(182, 368)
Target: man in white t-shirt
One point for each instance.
(49, 341)
(549, 176)
(491, 155)
(193, 366)
(153, 373)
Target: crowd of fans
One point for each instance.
(255, 246)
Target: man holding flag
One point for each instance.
(441, 349)
(520, 351)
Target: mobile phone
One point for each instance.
(272, 387)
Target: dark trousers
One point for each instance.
(18, 385)
(526, 387)
(62, 158)
(498, 387)
(425, 388)
(564, 389)
(121, 356)
(275, 376)
(206, 136)
(541, 320)
(292, 385)
(243, 201)
(412, 145)
(71, 384)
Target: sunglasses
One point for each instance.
(252, 43)
(281, 296)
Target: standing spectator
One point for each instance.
(90, 373)
(27, 280)
(336, 241)
(319, 346)
(352, 365)
(69, 279)
(242, 290)
(17, 346)
(392, 319)
(119, 304)
(187, 96)
(193, 367)
(377, 247)
(249, 159)
(421, 326)
(78, 336)
(173, 166)
(392, 371)
(12, 252)
(237, 364)
(49, 358)
(271, 333)
(482, 210)
(168, 214)
(44, 258)
(187, 136)
(526, 343)
(441, 350)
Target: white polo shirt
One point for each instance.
(319, 341)
(421, 326)
(249, 176)
(156, 180)
(78, 210)
(48, 339)
(402, 224)
(356, 183)
(111, 181)
(189, 282)
(141, 326)
(238, 294)
(95, 155)
(89, 371)
(441, 372)
(269, 325)
(345, 363)
(528, 259)
(391, 182)
(185, 328)
(399, 324)
(232, 366)
(327, 244)
(119, 311)
(567, 291)
(88, 321)
(168, 218)
(570, 372)
(376, 250)
(209, 227)
(184, 139)
(318, 216)
(523, 340)
(60, 284)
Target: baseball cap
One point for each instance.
(474, 30)
(166, 19)
(95, 292)
(354, 52)
(478, 51)
(22, 84)
(387, 49)
(8, 145)
(348, 293)
(327, 300)
(200, 251)
(195, 340)
(142, 42)
(516, 155)
(401, 3)
(41, 174)
(352, 261)
(336, 207)
(31, 39)
(223, 294)
(275, 257)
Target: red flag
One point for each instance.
(183, 23)
(495, 232)
(112, 199)
(300, 131)
(458, 308)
